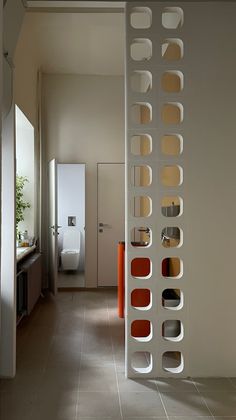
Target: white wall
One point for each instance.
(25, 166)
(83, 120)
(71, 202)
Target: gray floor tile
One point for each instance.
(67, 371)
(98, 379)
(175, 385)
(56, 405)
(16, 405)
(213, 384)
(190, 418)
(184, 404)
(141, 404)
(135, 385)
(98, 404)
(145, 418)
(61, 379)
(221, 403)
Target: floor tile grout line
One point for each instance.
(194, 383)
(159, 393)
(114, 361)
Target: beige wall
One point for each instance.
(83, 122)
(27, 62)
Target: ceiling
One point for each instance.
(80, 43)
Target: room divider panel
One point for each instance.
(155, 92)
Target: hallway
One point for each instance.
(70, 366)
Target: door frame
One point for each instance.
(103, 163)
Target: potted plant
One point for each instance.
(21, 204)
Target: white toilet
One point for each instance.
(70, 248)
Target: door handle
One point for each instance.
(55, 227)
(106, 225)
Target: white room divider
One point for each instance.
(155, 135)
(180, 183)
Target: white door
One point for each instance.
(53, 227)
(111, 219)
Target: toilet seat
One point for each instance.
(70, 253)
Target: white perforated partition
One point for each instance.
(155, 292)
(181, 201)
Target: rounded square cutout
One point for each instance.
(172, 49)
(172, 330)
(141, 113)
(142, 362)
(141, 267)
(141, 144)
(172, 267)
(173, 361)
(172, 144)
(172, 299)
(172, 17)
(141, 299)
(172, 81)
(172, 113)
(171, 237)
(141, 81)
(141, 330)
(171, 176)
(141, 49)
(141, 206)
(141, 236)
(171, 206)
(141, 176)
(141, 18)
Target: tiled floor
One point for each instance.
(70, 366)
(70, 279)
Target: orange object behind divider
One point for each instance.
(121, 279)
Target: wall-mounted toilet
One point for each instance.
(70, 248)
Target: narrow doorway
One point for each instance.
(66, 225)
